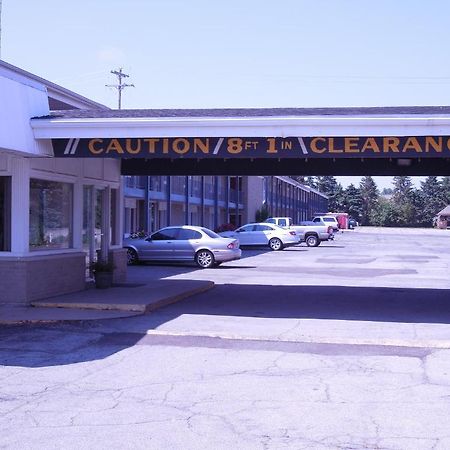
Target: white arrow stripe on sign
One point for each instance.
(68, 146)
(217, 147)
(74, 146)
(302, 146)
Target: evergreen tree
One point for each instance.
(353, 202)
(299, 178)
(403, 189)
(370, 195)
(326, 184)
(432, 200)
(405, 200)
(307, 181)
(337, 202)
(445, 187)
(311, 182)
(330, 187)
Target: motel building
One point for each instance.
(76, 177)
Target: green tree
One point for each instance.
(369, 195)
(445, 186)
(330, 187)
(432, 200)
(405, 200)
(385, 214)
(262, 213)
(299, 178)
(353, 202)
(311, 182)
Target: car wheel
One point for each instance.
(204, 259)
(312, 241)
(132, 257)
(275, 244)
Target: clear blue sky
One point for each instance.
(237, 53)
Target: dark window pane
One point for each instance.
(246, 228)
(210, 233)
(50, 214)
(186, 234)
(263, 228)
(166, 234)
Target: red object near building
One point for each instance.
(342, 219)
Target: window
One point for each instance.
(186, 234)
(166, 234)
(246, 228)
(210, 233)
(50, 215)
(282, 222)
(5, 214)
(263, 228)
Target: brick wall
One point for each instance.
(119, 258)
(24, 279)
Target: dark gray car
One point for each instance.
(183, 243)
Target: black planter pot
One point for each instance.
(103, 280)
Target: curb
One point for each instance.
(176, 298)
(408, 343)
(128, 309)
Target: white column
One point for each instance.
(20, 206)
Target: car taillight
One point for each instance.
(330, 230)
(293, 233)
(232, 245)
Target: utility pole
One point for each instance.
(120, 86)
(0, 29)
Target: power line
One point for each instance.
(120, 86)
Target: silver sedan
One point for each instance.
(183, 243)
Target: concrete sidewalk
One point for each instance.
(123, 300)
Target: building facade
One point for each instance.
(55, 214)
(213, 201)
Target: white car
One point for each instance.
(257, 234)
(327, 220)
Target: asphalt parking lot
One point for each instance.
(342, 346)
(375, 286)
(366, 256)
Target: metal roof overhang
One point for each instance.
(414, 125)
(216, 127)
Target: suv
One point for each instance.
(327, 220)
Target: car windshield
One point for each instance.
(210, 233)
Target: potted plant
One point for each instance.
(103, 273)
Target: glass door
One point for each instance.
(5, 214)
(92, 224)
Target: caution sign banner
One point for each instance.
(259, 147)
